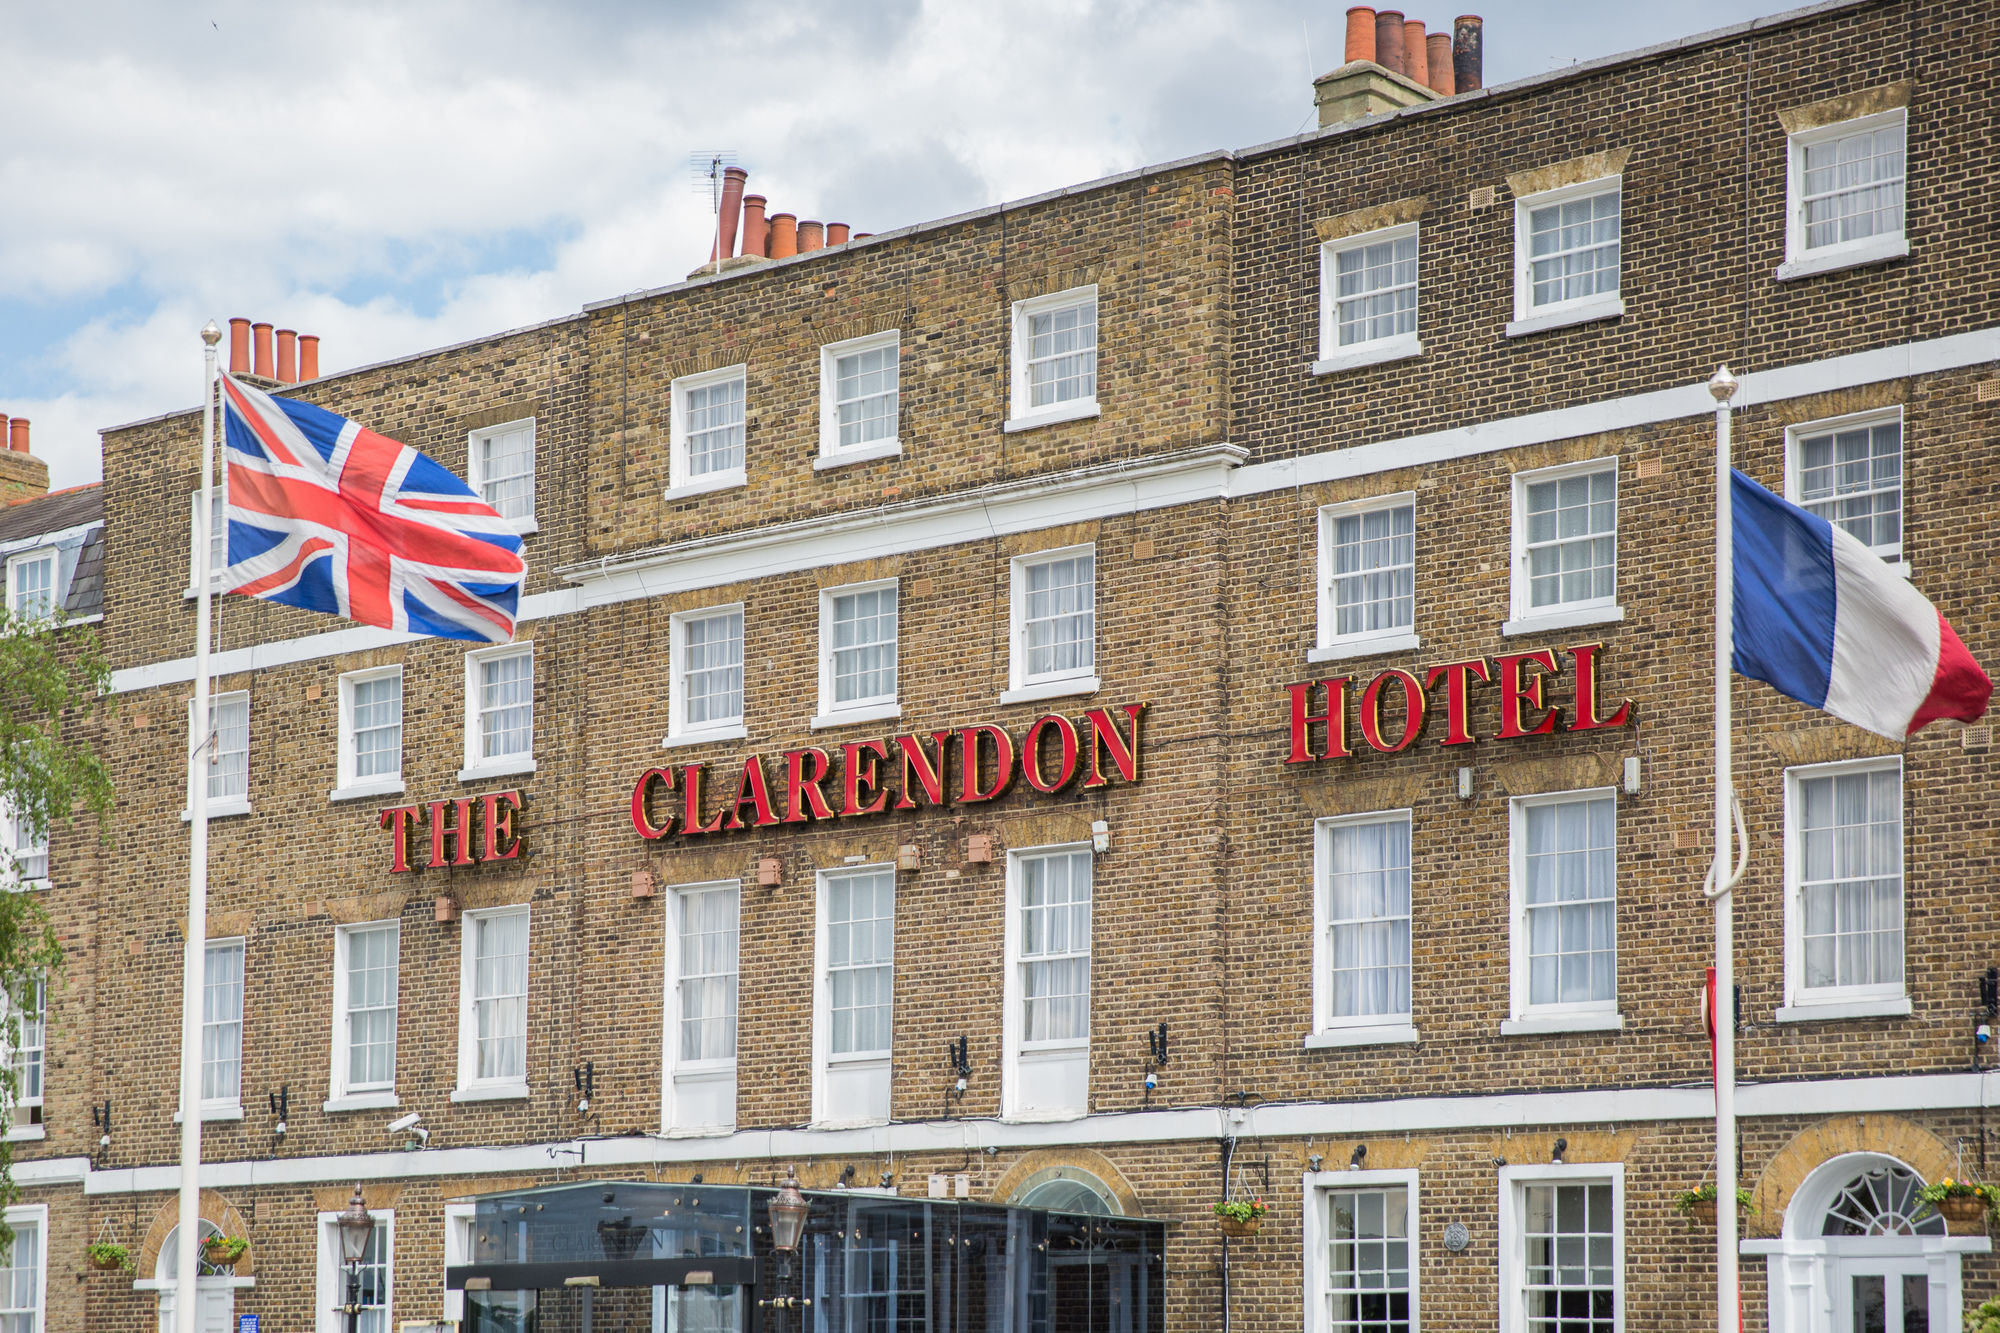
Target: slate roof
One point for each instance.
(54, 512)
(86, 584)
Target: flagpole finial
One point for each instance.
(210, 334)
(1723, 387)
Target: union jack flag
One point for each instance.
(328, 515)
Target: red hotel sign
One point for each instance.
(451, 822)
(1521, 680)
(902, 773)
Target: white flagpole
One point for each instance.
(186, 1298)
(1728, 1303)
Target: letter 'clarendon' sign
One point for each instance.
(966, 765)
(1521, 679)
(451, 822)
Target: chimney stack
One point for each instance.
(288, 356)
(756, 231)
(1466, 53)
(811, 237)
(733, 179)
(22, 475)
(308, 357)
(239, 346)
(1416, 63)
(1389, 40)
(1360, 34)
(1438, 58)
(261, 363)
(784, 235)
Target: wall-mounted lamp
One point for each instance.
(1632, 775)
(1314, 1161)
(585, 1078)
(1464, 784)
(1156, 1056)
(1100, 835)
(280, 1102)
(100, 1119)
(1988, 1013)
(847, 1175)
(642, 884)
(959, 1054)
(1355, 1159)
(1562, 1146)
(769, 872)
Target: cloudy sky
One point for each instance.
(398, 176)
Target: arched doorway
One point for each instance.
(1860, 1254)
(216, 1287)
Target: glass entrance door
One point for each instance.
(1884, 1296)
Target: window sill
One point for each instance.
(697, 1131)
(854, 716)
(362, 791)
(1539, 1026)
(735, 733)
(1827, 1011)
(361, 1101)
(220, 810)
(1342, 650)
(1374, 1034)
(1369, 354)
(214, 1113)
(720, 481)
(498, 768)
(1080, 410)
(526, 527)
(830, 1126)
(167, 1283)
(1050, 689)
(1053, 1116)
(1853, 254)
(860, 453)
(1547, 620)
(491, 1092)
(27, 1133)
(1584, 312)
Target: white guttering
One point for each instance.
(1525, 1110)
(1189, 476)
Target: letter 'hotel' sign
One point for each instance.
(965, 765)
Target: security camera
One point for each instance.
(402, 1123)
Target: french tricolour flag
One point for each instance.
(1824, 620)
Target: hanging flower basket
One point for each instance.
(1240, 1218)
(108, 1257)
(1963, 1204)
(224, 1251)
(1699, 1204)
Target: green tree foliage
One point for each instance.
(53, 682)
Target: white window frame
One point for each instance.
(1801, 262)
(1531, 318)
(1795, 437)
(36, 1216)
(477, 765)
(1885, 1000)
(194, 527)
(1330, 1029)
(347, 1096)
(227, 1108)
(673, 1119)
(822, 1027)
(1021, 686)
(678, 730)
(37, 555)
(875, 708)
(680, 482)
(10, 826)
(1333, 355)
(1020, 416)
(475, 466)
(222, 807)
(330, 1278)
(1015, 1103)
(472, 1088)
(460, 1219)
(1524, 1017)
(831, 453)
(347, 787)
(1332, 645)
(1319, 1184)
(1513, 1240)
(21, 1130)
(1525, 617)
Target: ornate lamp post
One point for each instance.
(356, 1226)
(788, 1211)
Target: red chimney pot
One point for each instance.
(288, 356)
(784, 235)
(1466, 53)
(733, 179)
(17, 435)
(262, 364)
(239, 346)
(1416, 63)
(1389, 39)
(836, 233)
(1438, 57)
(811, 237)
(1360, 34)
(308, 357)
(756, 231)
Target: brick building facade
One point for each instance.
(1177, 458)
